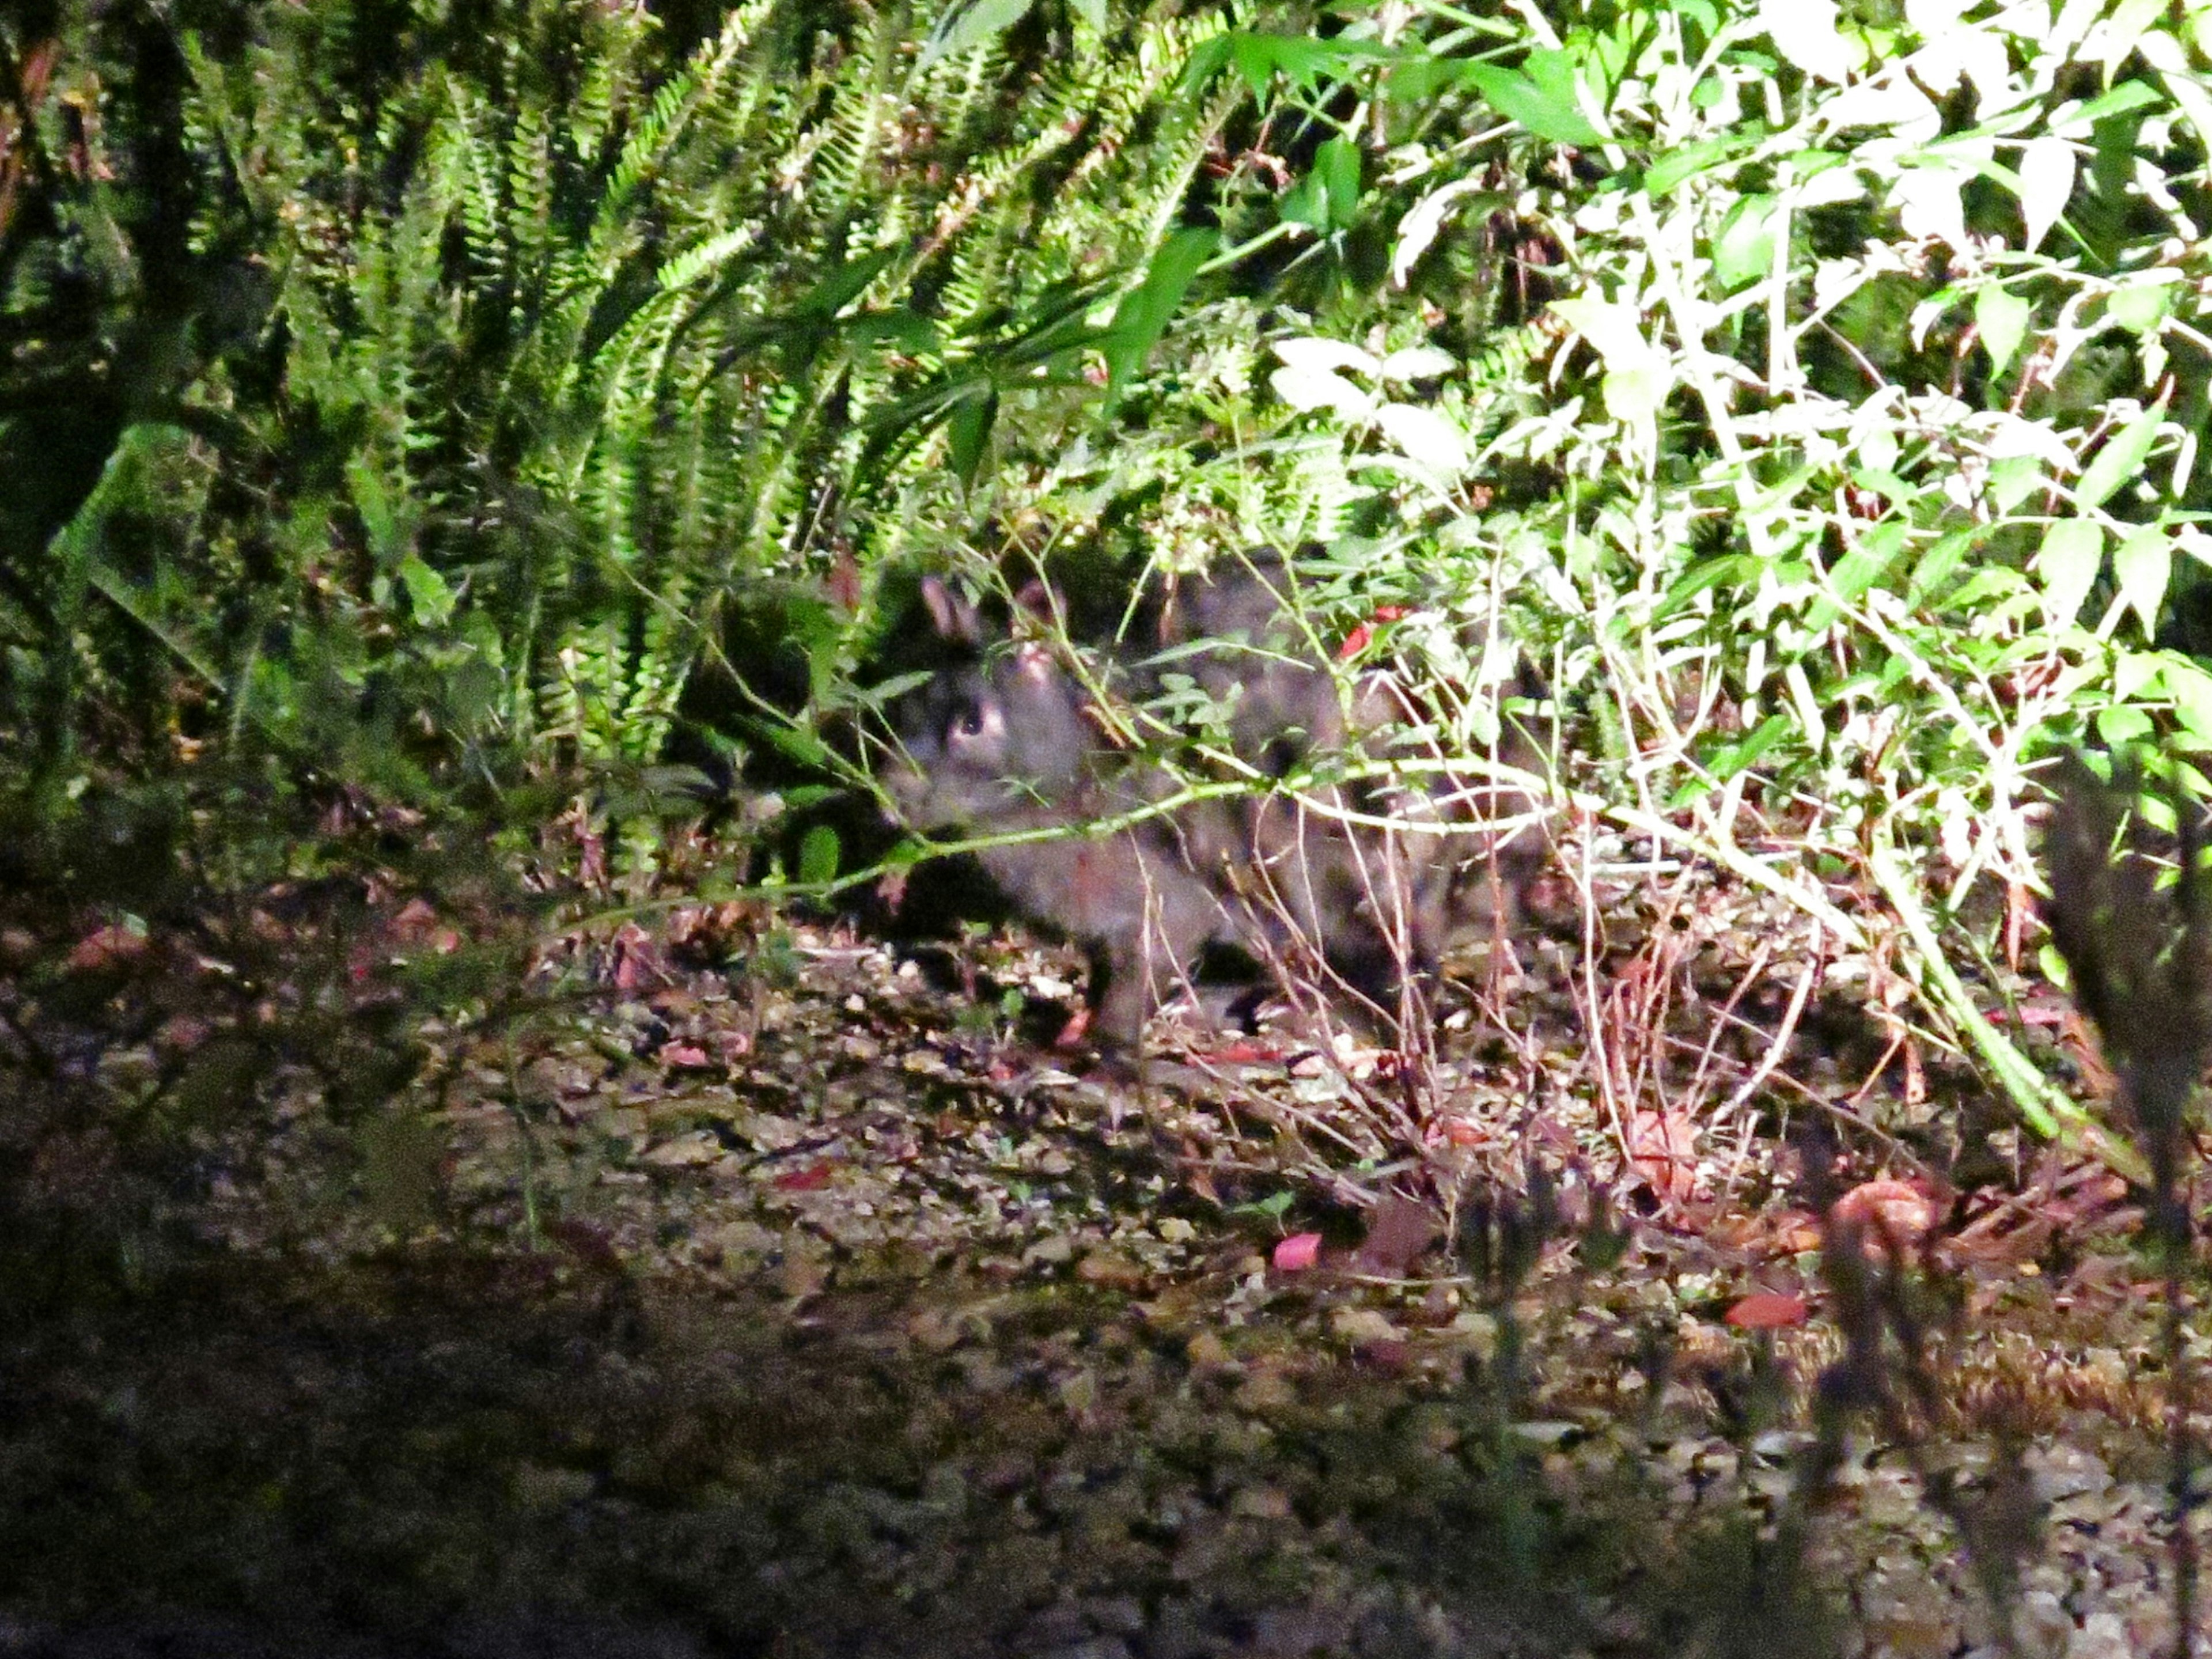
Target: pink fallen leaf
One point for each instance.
(1297, 1253)
(684, 1054)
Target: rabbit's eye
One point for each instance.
(970, 723)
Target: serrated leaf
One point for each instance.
(2121, 458)
(2067, 564)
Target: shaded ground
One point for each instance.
(809, 1317)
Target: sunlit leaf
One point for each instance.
(2067, 564)
(2000, 318)
(965, 26)
(1424, 437)
(2046, 182)
(1743, 249)
(2140, 302)
(2142, 564)
(1517, 98)
(2121, 458)
(1145, 313)
(1804, 31)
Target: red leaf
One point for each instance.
(1767, 1310)
(1297, 1253)
(684, 1054)
(813, 1178)
(1355, 642)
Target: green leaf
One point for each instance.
(1735, 756)
(2067, 564)
(967, 25)
(2191, 688)
(1327, 198)
(970, 430)
(817, 856)
(1859, 568)
(1147, 310)
(1092, 12)
(2142, 564)
(2121, 458)
(429, 596)
(2122, 100)
(1743, 249)
(2142, 303)
(2001, 320)
(1672, 168)
(1517, 98)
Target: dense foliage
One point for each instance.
(407, 403)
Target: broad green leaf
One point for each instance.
(1145, 312)
(1672, 168)
(2001, 318)
(2073, 552)
(1927, 203)
(1092, 12)
(2191, 688)
(1308, 378)
(2013, 479)
(1743, 250)
(2142, 301)
(2121, 458)
(1338, 164)
(1312, 353)
(1937, 565)
(1417, 363)
(1517, 98)
(2142, 564)
(965, 26)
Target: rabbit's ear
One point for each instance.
(953, 617)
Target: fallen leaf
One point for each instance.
(1663, 1148)
(682, 1055)
(813, 1178)
(1296, 1254)
(1767, 1310)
